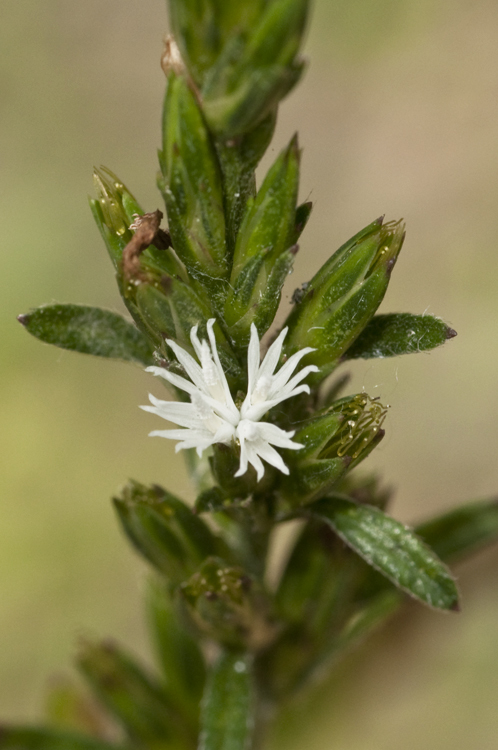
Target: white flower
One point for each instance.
(212, 416)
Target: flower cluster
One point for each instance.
(212, 415)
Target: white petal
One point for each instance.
(176, 380)
(221, 374)
(195, 341)
(193, 370)
(249, 455)
(276, 436)
(293, 382)
(184, 415)
(270, 455)
(272, 355)
(253, 360)
(243, 461)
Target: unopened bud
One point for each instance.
(229, 605)
(343, 296)
(333, 442)
(164, 530)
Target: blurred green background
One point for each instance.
(398, 114)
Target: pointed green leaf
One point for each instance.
(227, 717)
(399, 333)
(89, 330)
(462, 531)
(391, 548)
(43, 738)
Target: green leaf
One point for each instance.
(227, 717)
(462, 531)
(134, 698)
(391, 548)
(399, 333)
(178, 651)
(89, 330)
(43, 738)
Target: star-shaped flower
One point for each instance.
(212, 416)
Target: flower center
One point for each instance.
(247, 430)
(260, 393)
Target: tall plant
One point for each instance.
(268, 436)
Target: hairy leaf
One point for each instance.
(391, 548)
(399, 333)
(89, 330)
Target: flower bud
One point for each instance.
(192, 188)
(342, 297)
(164, 530)
(113, 212)
(333, 443)
(267, 230)
(203, 30)
(265, 68)
(229, 606)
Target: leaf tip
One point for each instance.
(455, 607)
(23, 319)
(451, 333)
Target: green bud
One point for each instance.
(268, 223)
(267, 230)
(134, 698)
(313, 596)
(164, 530)
(257, 302)
(203, 30)
(342, 297)
(360, 431)
(229, 606)
(239, 158)
(334, 442)
(116, 213)
(192, 188)
(113, 212)
(262, 69)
